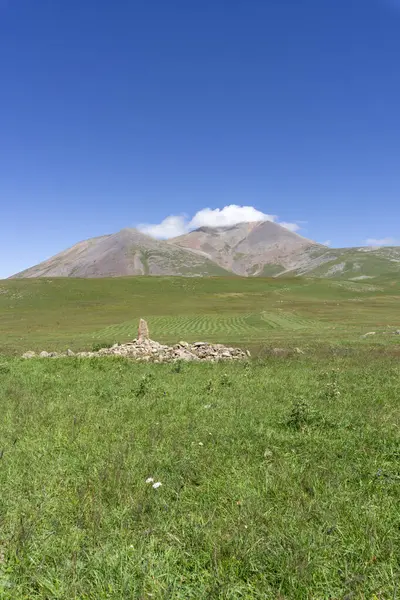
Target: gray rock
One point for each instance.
(147, 350)
(29, 354)
(185, 355)
(280, 351)
(44, 354)
(368, 334)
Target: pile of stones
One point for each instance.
(146, 350)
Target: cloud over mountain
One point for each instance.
(176, 225)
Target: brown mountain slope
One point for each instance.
(259, 248)
(127, 252)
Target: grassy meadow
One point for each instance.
(279, 476)
(56, 314)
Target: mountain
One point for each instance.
(259, 248)
(263, 249)
(127, 252)
(348, 263)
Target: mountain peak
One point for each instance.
(246, 248)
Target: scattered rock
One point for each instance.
(143, 331)
(397, 332)
(146, 350)
(150, 351)
(280, 351)
(29, 354)
(368, 334)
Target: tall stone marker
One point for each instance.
(143, 331)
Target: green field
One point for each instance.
(280, 476)
(61, 313)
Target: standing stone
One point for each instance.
(143, 331)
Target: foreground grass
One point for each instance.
(279, 479)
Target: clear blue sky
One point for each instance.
(115, 113)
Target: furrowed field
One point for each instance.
(60, 313)
(280, 476)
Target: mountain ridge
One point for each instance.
(252, 249)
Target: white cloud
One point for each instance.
(227, 216)
(327, 243)
(387, 241)
(290, 226)
(171, 226)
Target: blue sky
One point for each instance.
(115, 114)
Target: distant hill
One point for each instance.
(263, 249)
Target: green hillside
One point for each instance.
(350, 263)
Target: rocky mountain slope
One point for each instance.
(259, 248)
(348, 263)
(127, 252)
(263, 249)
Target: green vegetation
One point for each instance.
(271, 270)
(56, 314)
(280, 476)
(279, 479)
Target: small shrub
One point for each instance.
(144, 385)
(300, 414)
(99, 345)
(210, 387)
(331, 389)
(178, 367)
(226, 380)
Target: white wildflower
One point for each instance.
(201, 444)
(157, 484)
(149, 480)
